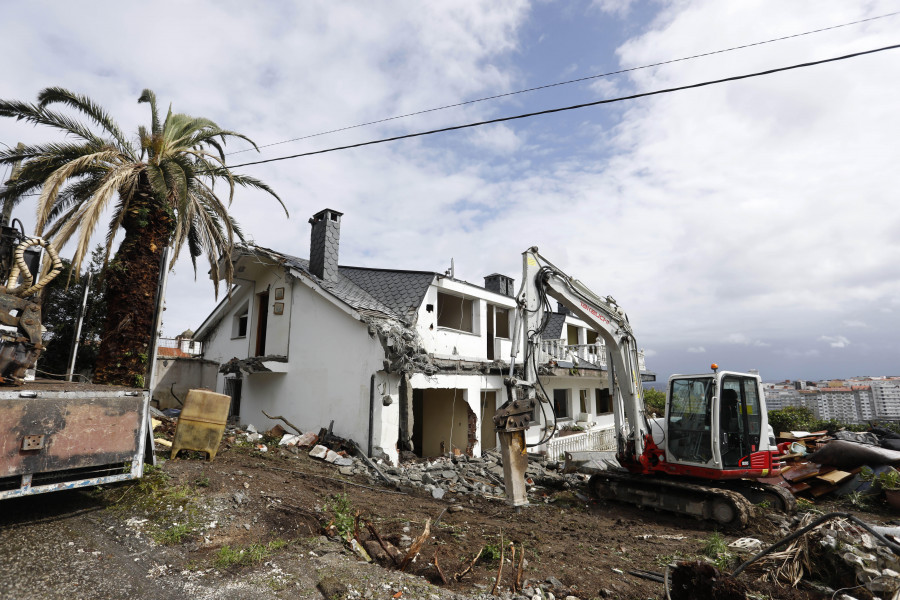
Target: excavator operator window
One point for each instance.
(690, 410)
(739, 419)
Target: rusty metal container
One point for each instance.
(56, 436)
(201, 423)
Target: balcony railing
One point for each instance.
(594, 354)
(597, 439)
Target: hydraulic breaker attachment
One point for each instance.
(510, 421)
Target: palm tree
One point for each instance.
(160, 189)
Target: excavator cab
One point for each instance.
(714, 421)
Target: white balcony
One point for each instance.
(593, 440)
(593, 354)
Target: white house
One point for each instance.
(399, 360)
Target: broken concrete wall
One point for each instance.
(175, 376)
(440, 393)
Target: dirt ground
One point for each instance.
(285, 503)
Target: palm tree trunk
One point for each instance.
(131, 284)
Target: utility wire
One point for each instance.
(550, 85)
(572, 107)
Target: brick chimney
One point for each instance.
(324, 242)
(501, 284)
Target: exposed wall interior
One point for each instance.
(488, 408)
(441, 419)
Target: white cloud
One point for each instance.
(619, 8)
(650, 353)
(855, 324)
(837, 341)
(697, 350)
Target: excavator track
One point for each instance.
(726, 507)
(773, 496)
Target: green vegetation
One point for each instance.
(173, 511)
(253, 554)
(174, 535)
(886, 480)
(491, 553)
(800, 418)
(654, 402)
(716, 548)
(342, 516)
(804, 505)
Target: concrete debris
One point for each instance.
(318, 452)
(852, 547)
(289, 439)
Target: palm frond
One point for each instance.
(93, 110)
(59, 176)
(148, 96)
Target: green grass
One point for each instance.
(174, 535)
(173, 511)
(716, 548)
(253, 554)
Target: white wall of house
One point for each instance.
(332, 358)
(224, 341)
(467, 339)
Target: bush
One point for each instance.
(654, 402)
(800, 418)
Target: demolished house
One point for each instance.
(398, 360)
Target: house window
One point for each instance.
(455, 312)
(561, 404)
(501, 329)
(601, 397)
(239, 325)
(262, 322)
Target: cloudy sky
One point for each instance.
(753, 223)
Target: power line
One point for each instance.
(560, 83)
(572, 107)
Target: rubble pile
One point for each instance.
(850, 548)
(841, 463)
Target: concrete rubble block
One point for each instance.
(438, 493)
(343, 461)
(331, 456)
(307, 439)
(449, 475)
(346, 470)
(318, 452)
(289, 439)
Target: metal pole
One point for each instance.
(157, 317)
(73, 353)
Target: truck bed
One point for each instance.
(57, 435)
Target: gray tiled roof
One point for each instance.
(402, 291)
(379, 291)
(554, 328)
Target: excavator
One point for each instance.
(703, 459)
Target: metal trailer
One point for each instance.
(59, 436)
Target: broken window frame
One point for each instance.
(467, 306)
(241, 318)
(501, 316)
